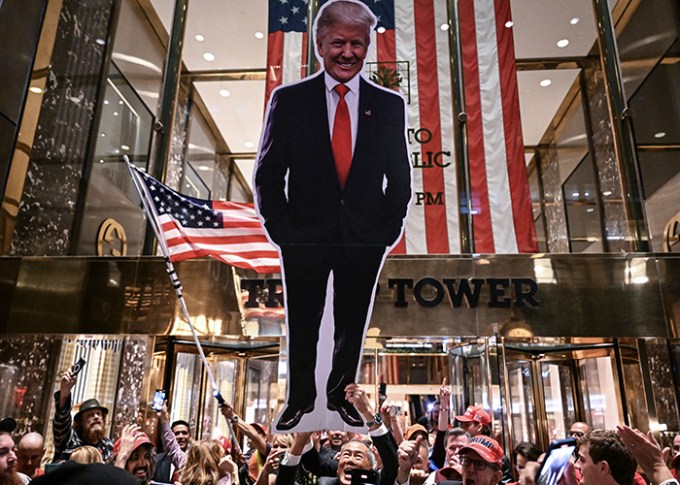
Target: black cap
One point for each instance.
(72, 473)
(91, 404)
(8, 425)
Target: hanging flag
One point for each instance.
(193, 228)
(410, 54)
(503, 218)
(286, 43)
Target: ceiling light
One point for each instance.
(103, 135)
(575, 194)
(124, 147)
(101, 161)
(106, 101)
(587, 194)
(120, 102)
(590, 209)
(562, 43)
(209, 56)
(509, 23)
(203, 168)
(444, 27)
(248, 144)
(225, 93)
(35, 89)
(545, 83)
(381, 29)
(660, 134)
(100, 41)
(574, 20)
(115, 113)
(116, 151)
(199, 37)
(607, 193)
(259, 35)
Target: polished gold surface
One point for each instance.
(520, 296)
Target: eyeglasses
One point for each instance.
(478, 465)
(577, 434)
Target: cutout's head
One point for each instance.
(342, 33)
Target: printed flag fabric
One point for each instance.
(286, 43)
(503, 219)
(193, 228)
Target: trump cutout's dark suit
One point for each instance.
(322, 228)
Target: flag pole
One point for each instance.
(170, 269)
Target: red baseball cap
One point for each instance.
(476, 414)
(140, 439)
(487, 448)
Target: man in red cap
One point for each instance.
(481, 460)
(134, 453)
(476, 421)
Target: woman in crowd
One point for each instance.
(206, 464)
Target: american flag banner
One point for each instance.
(503, 218)
(286, 43)
(193, 228)
(409, 52)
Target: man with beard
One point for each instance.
(8, 457)
(88, 426)
(134, 453)
(30, 452)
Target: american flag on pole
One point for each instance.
(193, 228)
(503, 219)
(286, 43)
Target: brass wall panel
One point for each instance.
(605, 295)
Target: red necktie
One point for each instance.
(342, 136)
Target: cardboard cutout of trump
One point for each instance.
(332, 183)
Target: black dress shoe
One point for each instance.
(347, 411)
(291, 416)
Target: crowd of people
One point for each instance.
(446, 450)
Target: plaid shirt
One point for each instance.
(65, 437)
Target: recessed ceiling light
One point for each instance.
(562, 43)
(35, 89)
(225, 93)
(259, 35)
(660, 134)
(101, 161)
(103, 135)
(590, 209)
(607, 193)
(209, 56)
(248, 144)
(106, 101)
(509, 23)
(116, 151)
(115, 113)
(100, 41)
(444, 27)
(575, 194)
(203, 168)
(120, 102)
(574, 20)
(381, 29)
(587, 194)
(545, 83)
(124, 147)
(199, 37)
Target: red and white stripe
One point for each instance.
(418, 38)
(286, 59)
(503, 219)
(240, 242)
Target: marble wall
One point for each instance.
(555, 217)
(606, 162)
(661, 372)
(129, 405)
(58, 155)
(178, 142)
(26, 370)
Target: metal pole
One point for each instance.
(622, 127)
(311, 52)
(171, 78)
(465, 222)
